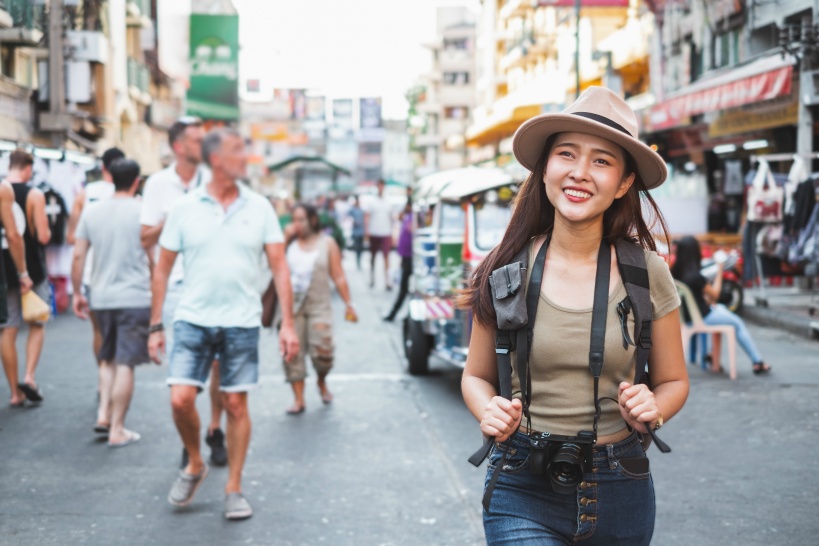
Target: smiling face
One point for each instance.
(583, 176)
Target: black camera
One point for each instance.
(563, 459)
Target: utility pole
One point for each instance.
(576, 48)
(57, 120)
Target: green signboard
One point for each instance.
(214, 58)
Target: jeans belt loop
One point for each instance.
(610, 455)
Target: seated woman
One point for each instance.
(687, 270)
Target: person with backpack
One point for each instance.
(568, 310)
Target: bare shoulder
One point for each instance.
(36, 196)
(5, 190)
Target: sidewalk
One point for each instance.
(787, 308)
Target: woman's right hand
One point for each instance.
(501, 418)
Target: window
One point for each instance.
(491, 220)
(451, 44)
(726, 49)
(456, 112)
(456, 78)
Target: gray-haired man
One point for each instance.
(221, 230)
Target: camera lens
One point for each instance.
(566, 469)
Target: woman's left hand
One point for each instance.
(638, 407)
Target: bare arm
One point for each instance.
(337, 272)
(499, 417)
(74, 218)
(39, 220)
(81, 247)
(159, 287)
(288, 340)
(640, 404)
(150, 235)
(13, 236)
(714, 289)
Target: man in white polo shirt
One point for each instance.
(162, 190)
(221, 230)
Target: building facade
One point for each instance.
(444, 98)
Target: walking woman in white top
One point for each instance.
(314, 260)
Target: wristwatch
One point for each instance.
(154, 328)
(659, 423)
(22, 275)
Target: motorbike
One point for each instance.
(732, 293)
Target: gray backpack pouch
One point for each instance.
(508, 297)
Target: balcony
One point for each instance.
(426, 139)
(27, 23)
(457, 95)
(139, 80)
(138, 13)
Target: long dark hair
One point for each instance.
(313, 219)
(534, 215)
(687, 259)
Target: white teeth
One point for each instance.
(577, 193)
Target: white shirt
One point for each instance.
(301, 263)
(380, 211)
(222, 250)
(162, 191)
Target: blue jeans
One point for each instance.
(195, 347)
(720, 315)
(613, 505)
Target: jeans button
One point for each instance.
(583, 518)
(583, 485)
(584, 501)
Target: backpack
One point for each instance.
(56, 212)
(513, 306)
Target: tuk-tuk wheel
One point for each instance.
(416, 347)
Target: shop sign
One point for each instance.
(753, 89)
(214, 60)
(755, 118)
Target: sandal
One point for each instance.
(760, 368)
(718, 371)
(31, 391)
(102, 428)
(295, 410)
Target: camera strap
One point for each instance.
(600, 313)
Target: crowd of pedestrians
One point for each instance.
(170, 274)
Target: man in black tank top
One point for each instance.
(31, 220)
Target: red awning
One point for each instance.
(761, 80)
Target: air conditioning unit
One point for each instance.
(87, 45)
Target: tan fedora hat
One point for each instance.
(599, 112)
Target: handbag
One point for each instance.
(34, 308)
(270, 299)
(764, 196)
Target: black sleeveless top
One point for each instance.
(35, 253)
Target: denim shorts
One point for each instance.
(613, 505)
(195, 347)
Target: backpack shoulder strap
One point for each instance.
(631, 260)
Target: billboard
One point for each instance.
(214, 60)
(343, 113)
(315, 108)
(370, 113)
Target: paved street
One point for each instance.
(386, 463)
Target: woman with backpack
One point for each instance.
(687, 270)
(567, 460)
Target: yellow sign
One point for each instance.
(733, 122)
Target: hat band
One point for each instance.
(604, 120)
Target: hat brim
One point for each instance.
(531, 137)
